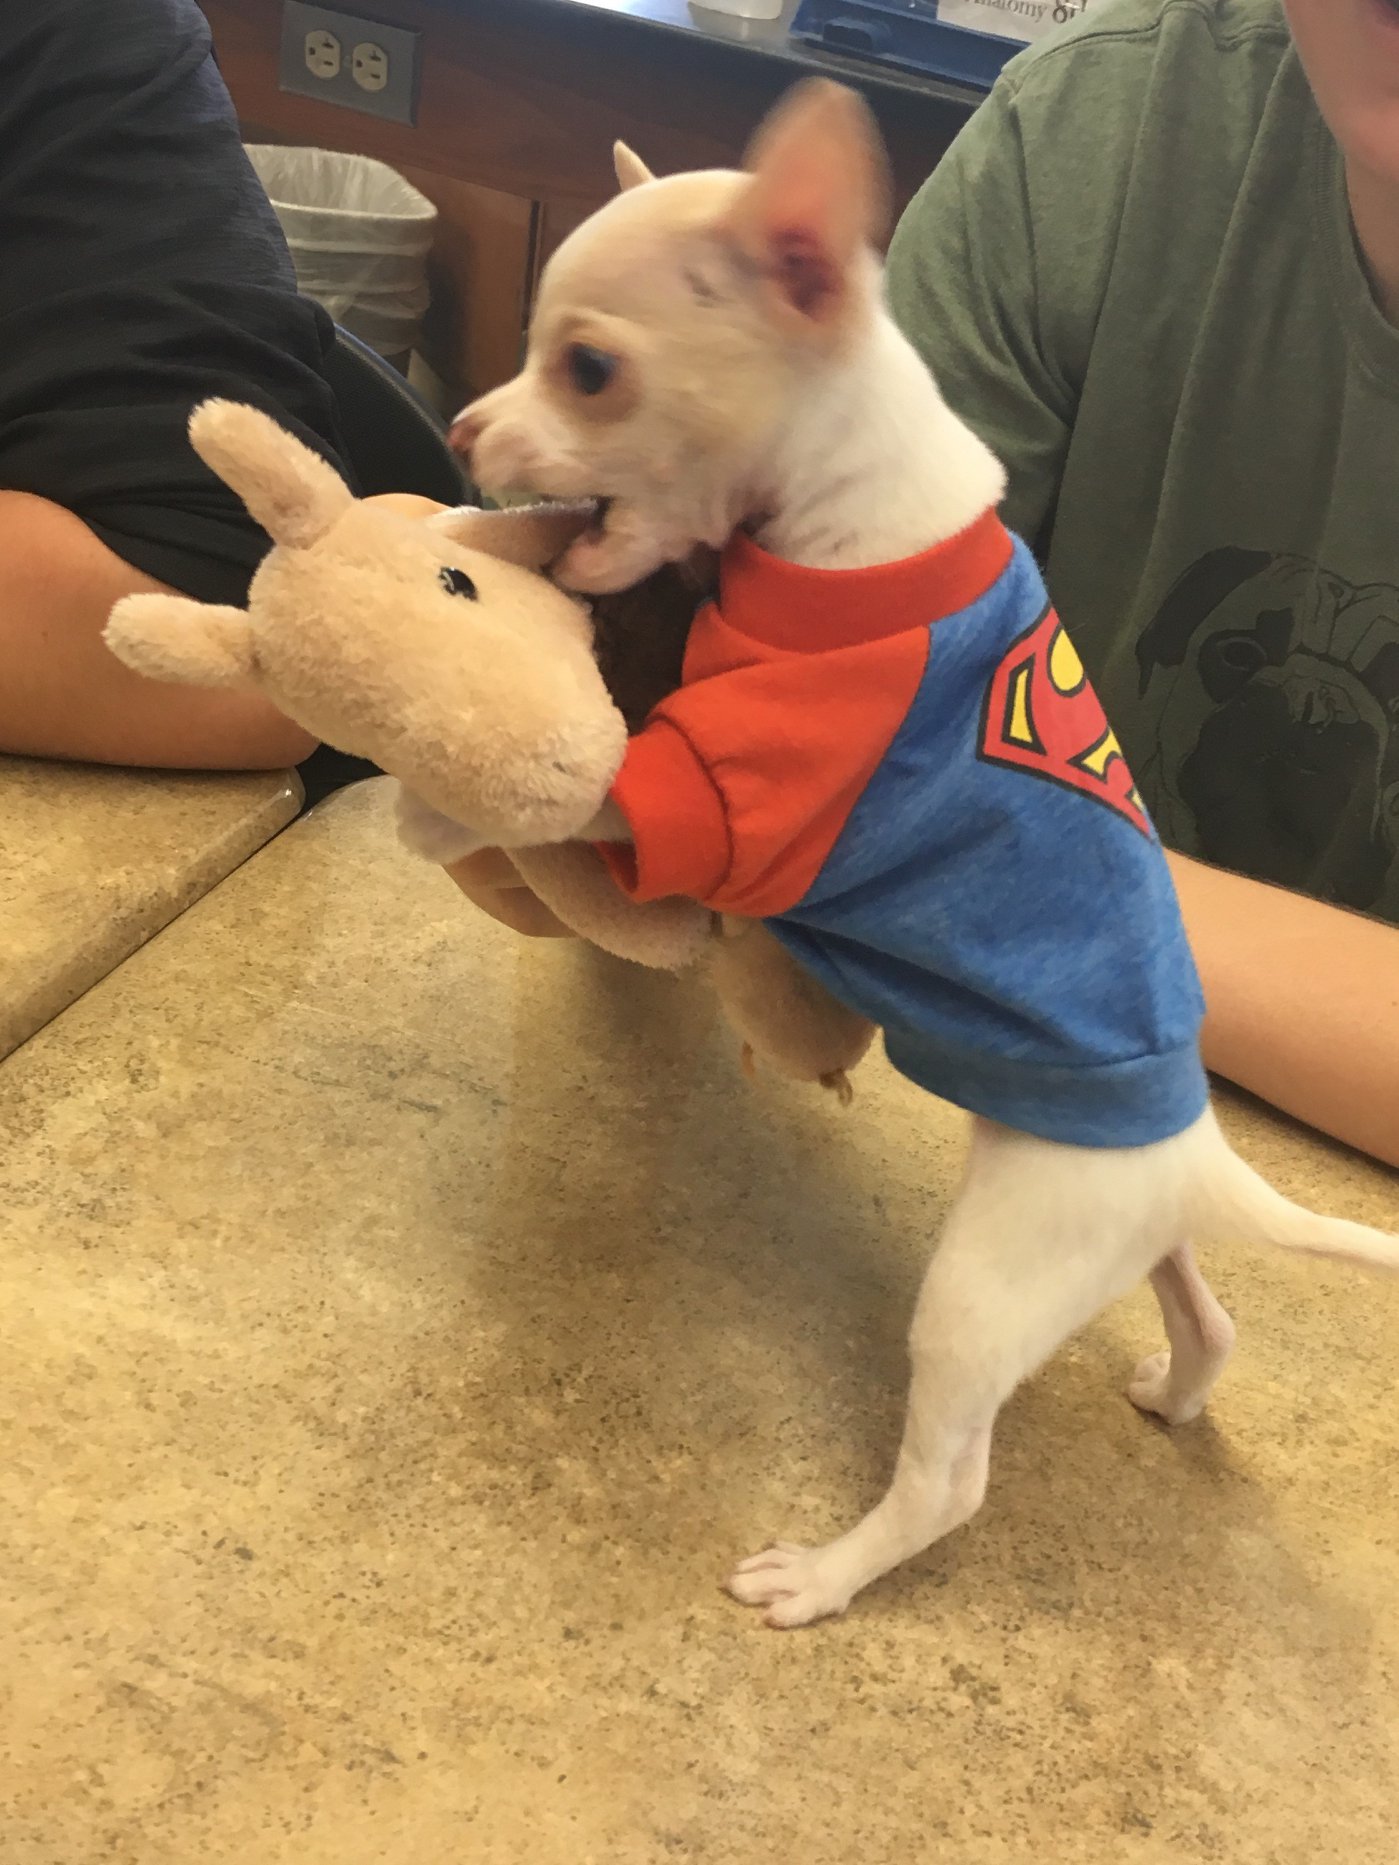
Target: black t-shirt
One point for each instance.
(141, 270)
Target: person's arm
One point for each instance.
(1302, 1003)
(144, 271)
(65, 694)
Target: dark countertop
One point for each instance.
(767, 39)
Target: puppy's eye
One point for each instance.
(590, 370)
(456, 582)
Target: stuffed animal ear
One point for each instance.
(632, 172)
(294, 494)
(817, 197)
(190, 643)
(532, 536)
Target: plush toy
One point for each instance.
(439, 650)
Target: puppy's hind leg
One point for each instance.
(1177, 1383)
(1028, 1256)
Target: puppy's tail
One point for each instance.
(1236, 1202)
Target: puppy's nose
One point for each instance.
(464, 432)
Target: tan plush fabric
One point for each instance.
(493, 708)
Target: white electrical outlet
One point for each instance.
(342, 59)
(369, 66)
(322, 54)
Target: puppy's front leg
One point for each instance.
(630, 546)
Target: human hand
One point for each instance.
(427, 832)
(491, 881)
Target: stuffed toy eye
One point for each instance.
(456, 582)
(590, 370)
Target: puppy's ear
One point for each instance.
(816, 198)
(190, 643)
(532, 536)
(631, 170)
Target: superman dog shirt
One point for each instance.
(906, 774)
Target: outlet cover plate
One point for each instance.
(397, 100)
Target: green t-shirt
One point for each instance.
(1134, 275)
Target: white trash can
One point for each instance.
(359, 236)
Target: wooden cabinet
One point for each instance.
(519, 103)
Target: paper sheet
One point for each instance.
(1011, 19)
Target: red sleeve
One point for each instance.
(677, 817)
(739, 784)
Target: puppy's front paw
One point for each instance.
(797, 1585)
(427, 832)
(615, 555)
(599, 566)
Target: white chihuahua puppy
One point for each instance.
(712, 351)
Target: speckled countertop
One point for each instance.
(403, 1328)
(93, 861)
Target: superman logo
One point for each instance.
(1042, 716)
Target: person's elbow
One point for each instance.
(252, 735)
(190, 729)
